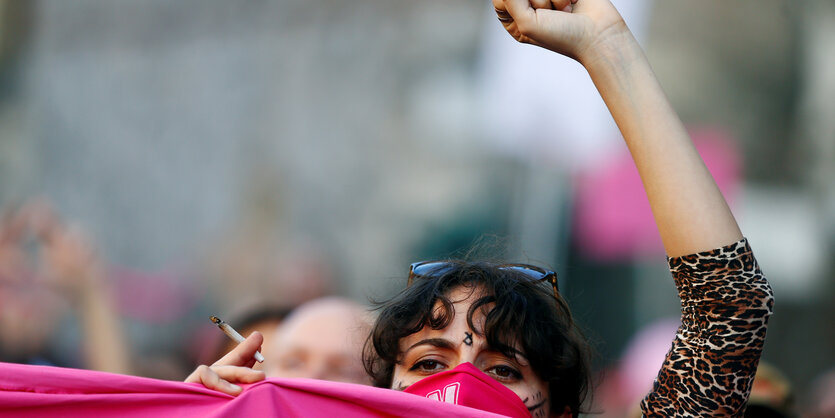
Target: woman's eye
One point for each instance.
(504, 373)
(428, 366)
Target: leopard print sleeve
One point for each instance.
(725, 302)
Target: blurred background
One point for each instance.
(164, 161)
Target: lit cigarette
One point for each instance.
(233, 334)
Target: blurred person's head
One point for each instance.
(822, 397)
(630, 379)
(321, 339)
(501, 320)
(771, 394)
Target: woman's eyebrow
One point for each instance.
(518, 354)
(435, 342)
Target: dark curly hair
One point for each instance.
(525, 315)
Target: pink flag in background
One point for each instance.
(613, 221)
(58, 392)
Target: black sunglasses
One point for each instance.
(436, 268)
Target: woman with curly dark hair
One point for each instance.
(499, 318)
(498, 329)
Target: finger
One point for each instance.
(501, 11)
(562, 5)
(504, 16)
(541, 4)
(519, 8)
(210, 379)
(238, 374)
(521, 12)
(244, 353)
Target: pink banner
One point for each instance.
(58, 392)
(613, 220)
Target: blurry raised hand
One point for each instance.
(69, 262)
(68, 271)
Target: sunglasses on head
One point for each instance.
(430, 269)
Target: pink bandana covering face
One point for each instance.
(468, 386)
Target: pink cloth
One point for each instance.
(467, 385)
(58, 392)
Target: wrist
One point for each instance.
(86, 286)
(616, 46)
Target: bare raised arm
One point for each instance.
(689, 209)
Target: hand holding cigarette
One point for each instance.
(234, 367)
(226, 328)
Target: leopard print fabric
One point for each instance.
(726, 302)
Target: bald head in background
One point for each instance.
(321, 339)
